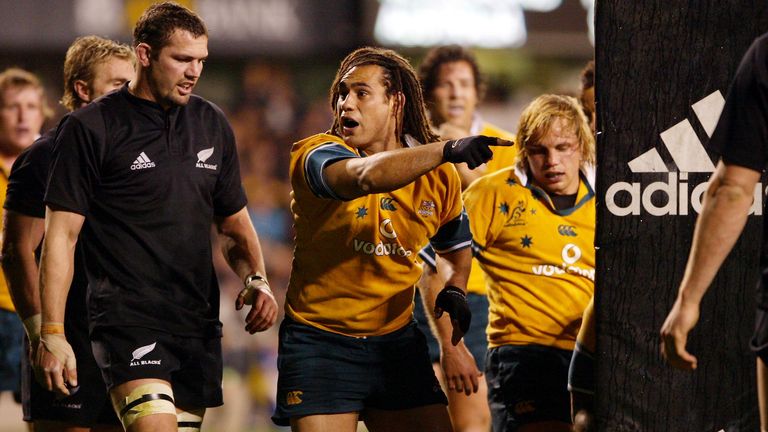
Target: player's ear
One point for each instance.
(82, 90)
(143, 54)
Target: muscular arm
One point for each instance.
(458, 365)
(723, 216)
(55, 365)
(57, 263)
(382, 172)
(240, 244)
(392, 169)
(21, 236)
(242, 250)
(452, 269)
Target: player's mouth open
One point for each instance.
(186, 88)
(348, 123)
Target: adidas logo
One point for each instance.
(142, 162)
(688, 156)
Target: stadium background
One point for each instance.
(270, 65)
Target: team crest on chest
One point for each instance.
(515, 214)
(202, 157)
(426, 208)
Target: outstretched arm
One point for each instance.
(55, 365)
(723, 216)
(242, 250)
(390, 170)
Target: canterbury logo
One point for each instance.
(142, 162)
(140, 352)
(388, 204)
(293, 397)
(567, 230)
(673, 196)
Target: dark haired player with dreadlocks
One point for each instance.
(144, 172)
(367, 196)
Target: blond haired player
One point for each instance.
(533, 229)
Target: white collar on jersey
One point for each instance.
(589, 171)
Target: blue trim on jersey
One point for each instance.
(476, 248)
(428, 255)
(315, 163)
(581, 373)
(453, 235)
(542, 194)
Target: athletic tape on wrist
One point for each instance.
(32, 326)
(51, 328)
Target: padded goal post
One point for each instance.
(663, 69)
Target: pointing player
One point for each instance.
(367, 196)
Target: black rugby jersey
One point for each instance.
(29, 175)
(741, 135)
(26, 189)
(149, 182)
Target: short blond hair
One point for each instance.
(14, 77)
(80, 63)
(537, 118)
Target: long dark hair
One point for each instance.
(399, 77)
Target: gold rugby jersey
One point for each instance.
(540, 262)
(355, 262)
(5, 294)
(502, 157)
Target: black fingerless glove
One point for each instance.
(453, 300)
(474, 150)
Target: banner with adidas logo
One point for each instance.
(663, 71)
(676, 195)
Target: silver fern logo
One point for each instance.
(139, 353)
(202, 157)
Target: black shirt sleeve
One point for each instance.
(29, 176)
(229, 196)
(741, 136)
(76, 162)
